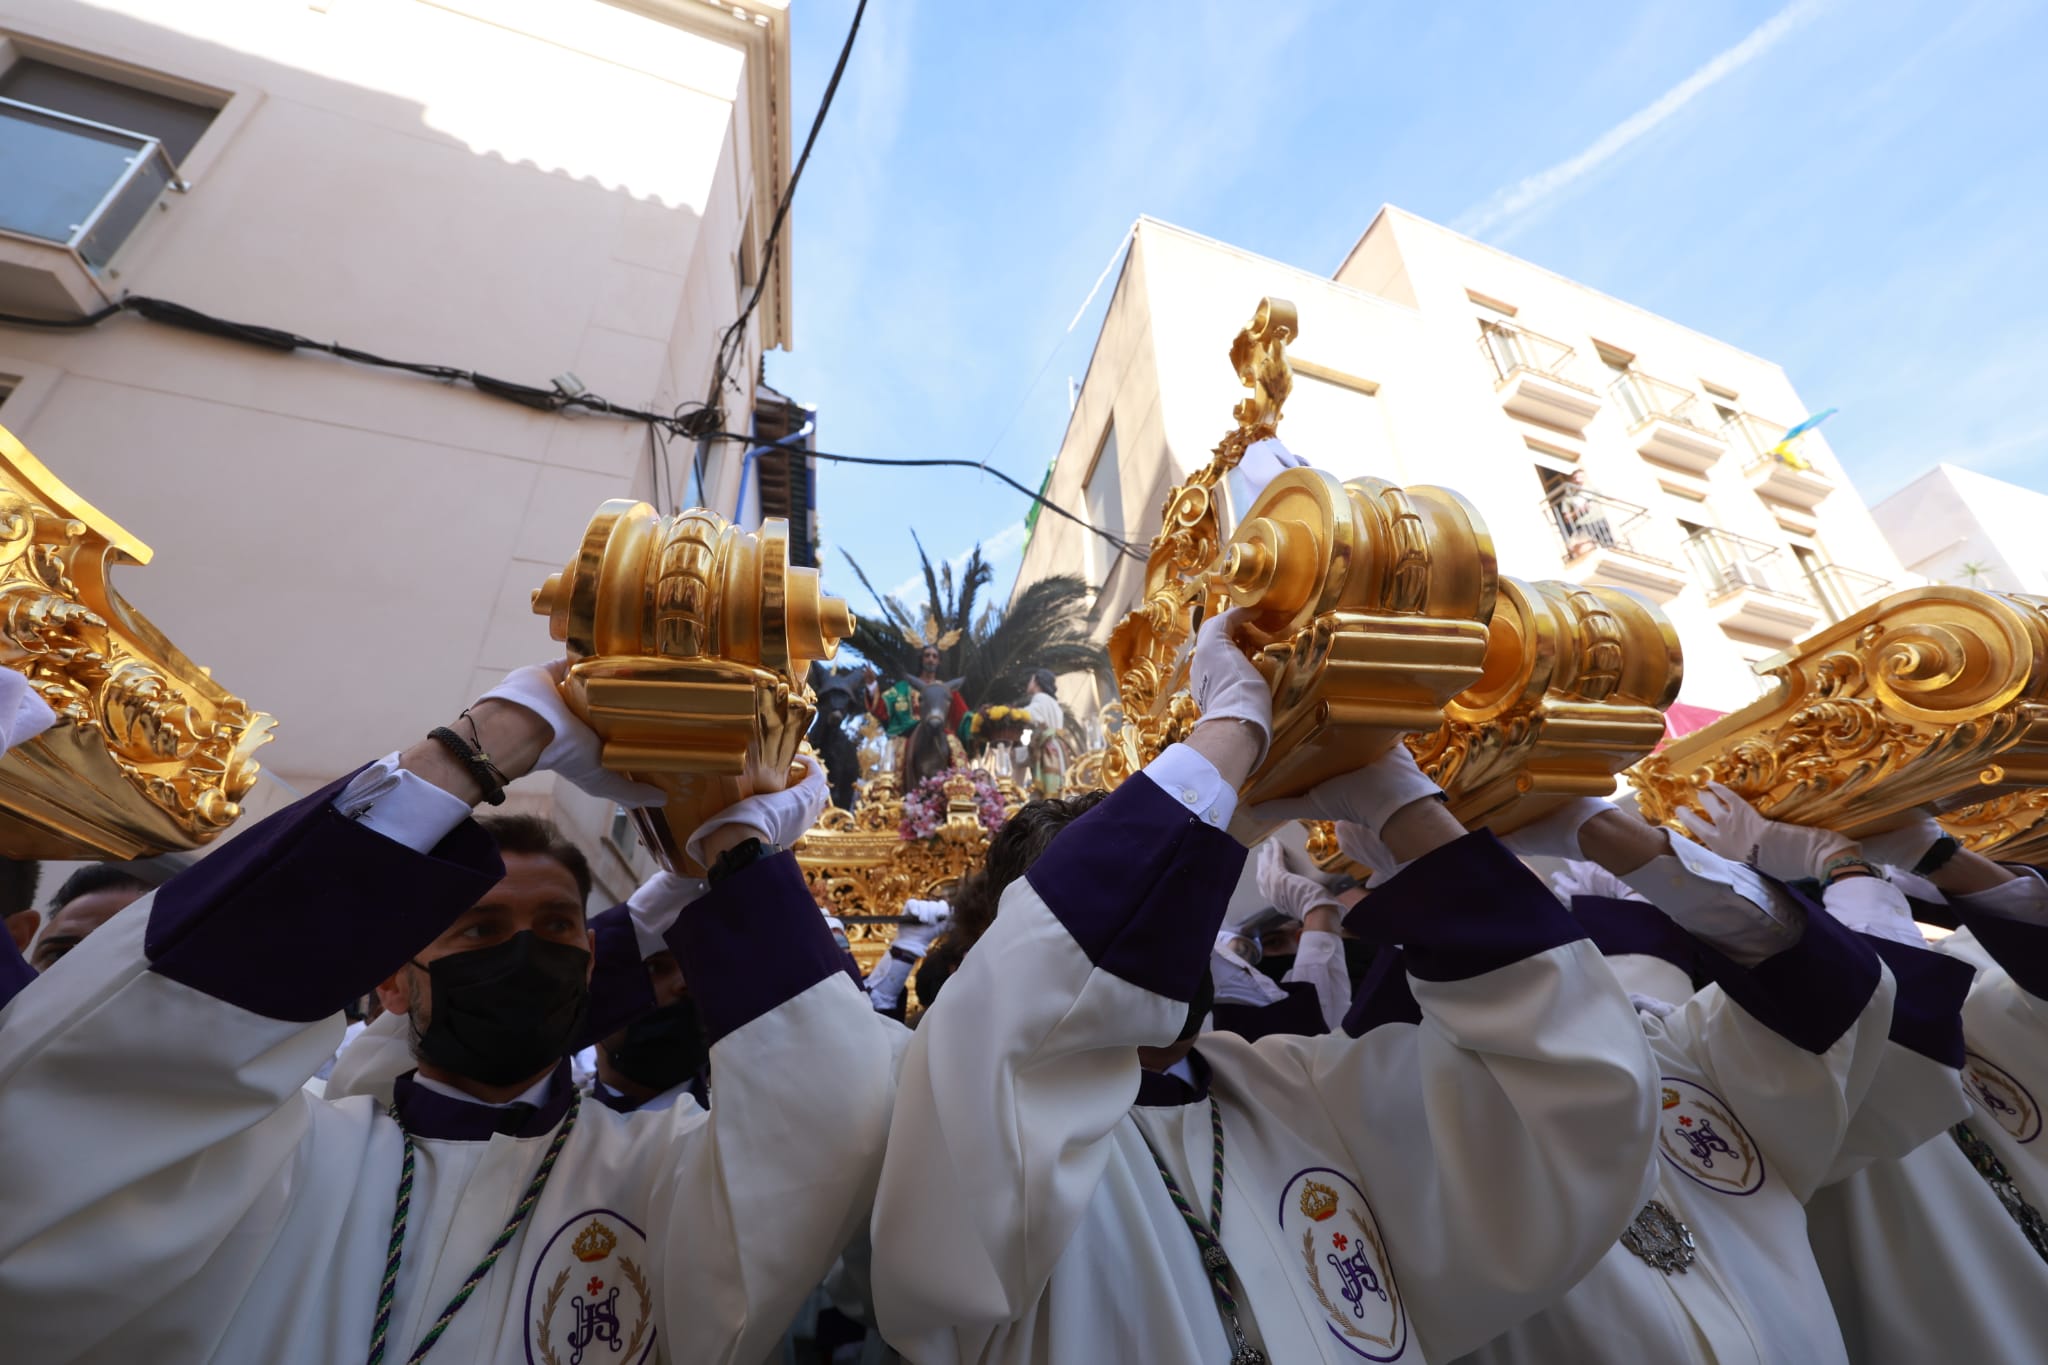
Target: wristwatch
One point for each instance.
(743, 854)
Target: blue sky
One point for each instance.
(1856, 189)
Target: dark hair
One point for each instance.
(98, 877)
(18, 881)
(1046, 682)
(541, 838)
(1017, 845)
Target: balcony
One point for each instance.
(1789, 480)
(1842, 591)
(1529, 375)
(1749, 588)
(1666, 423)
(1605, 540)
(75, 191)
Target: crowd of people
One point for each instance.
(1714, 1099)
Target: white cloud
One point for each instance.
(1530, 191)
(1003, 545)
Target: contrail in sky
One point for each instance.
(1525, 194)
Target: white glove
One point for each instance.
(1905, 846)
(1651, 1005)
(930, 912)
(1292, 894)
(1366, 797)
(575, 750)
(1590, 879)
(1733, 828)
(654, 905)
(23, 713)
(1872, 905)
(917, 939)
(1263, 462)
(1224, 683)
(1556, 835)
(781, 817)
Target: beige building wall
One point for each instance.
(525, 188)
(1426, 361)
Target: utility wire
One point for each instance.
(703, 424)
(553, 399)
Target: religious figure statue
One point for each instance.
(1047, 751)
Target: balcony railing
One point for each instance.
(1757, 438)
(80, 185)
(1730, 563)
(1509, 349)
(1586, 521)
(1645, 398)
(1844, 592)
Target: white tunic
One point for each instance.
(1403, 1194)
(171, 1194)
(1923, 1261)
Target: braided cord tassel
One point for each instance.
(392, 1253)
(1208, 1232)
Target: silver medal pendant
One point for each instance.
(1661, 1239)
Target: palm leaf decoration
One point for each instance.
(991, 649)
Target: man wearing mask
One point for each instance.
(193, 1203)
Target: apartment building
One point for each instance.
(1954, 525)
(1600, 442)
(553, 192)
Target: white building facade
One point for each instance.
(529, 189)
(1599, 442)
(1954, 525)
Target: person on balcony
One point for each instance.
(1073, 1176)
(1579, 516)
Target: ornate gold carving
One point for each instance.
(1937, 696)
(149, 753)
(1146, 645)
(1369, 601)
(2012, 828)
(862, 869)
(1573, 692)
(688, 643)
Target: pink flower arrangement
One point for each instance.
(924, 806)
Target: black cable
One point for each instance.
(711, 413)
(678, 422)
(1118, 542)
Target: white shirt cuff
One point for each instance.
(401, 805)
(1315, 947)
(2024, 898)
(1192, 780)
(654, 905)
(1871, 905)
(1723, 903)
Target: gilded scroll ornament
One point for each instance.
(149, 753)
(688, 643)
(1574, 689)
(1368, 602)
(1937, 696)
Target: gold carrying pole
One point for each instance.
(688, 643)
(1935, 697)
(149, 754)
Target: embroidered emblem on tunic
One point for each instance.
(1698, 1133)
(2008, 1103)
(588, 1300)
(1344, 1263)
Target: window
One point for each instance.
(84, 157)
(1103, 495)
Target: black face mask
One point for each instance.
(663, 1048)
(504, 1012)
(1275, 967)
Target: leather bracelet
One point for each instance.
(1835, 866)
(1937, 855)
(902, 955)
(740, 856)
(478, 763)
